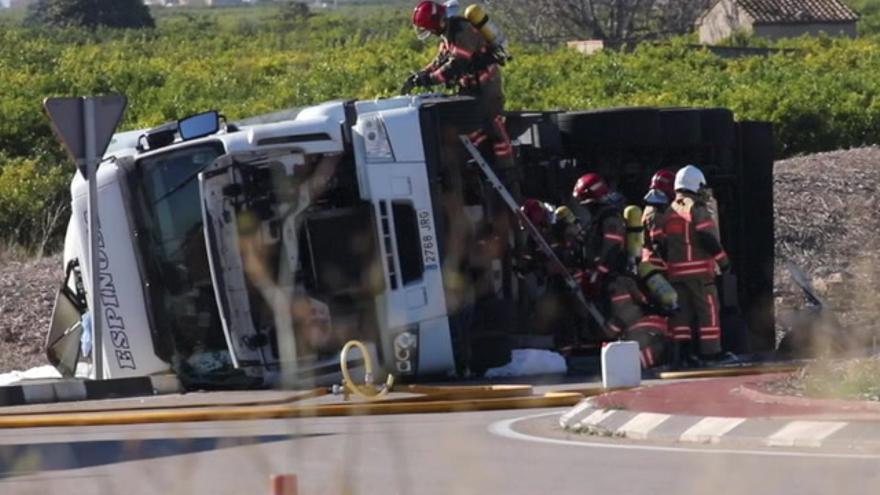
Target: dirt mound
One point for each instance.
(827, 224)
(27, 293)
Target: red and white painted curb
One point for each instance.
(585, 417)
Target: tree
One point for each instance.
(90, 13)
(611, 20)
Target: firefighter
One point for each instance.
(657, 201)
(693, 253)
(543, 216)
(605, 254)
(467, 61)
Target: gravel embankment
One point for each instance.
(27, 293)
(827, 224)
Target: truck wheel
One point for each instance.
(681, 127)
(611, 128)
(717, 127)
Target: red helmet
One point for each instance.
(590, 188)
(428, 18)
(537, 212)
(664, 181)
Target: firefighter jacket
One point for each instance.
(465, 60)
(689, 239)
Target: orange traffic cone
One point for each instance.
(283, 484)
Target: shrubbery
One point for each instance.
(33, 204)
(822, 95)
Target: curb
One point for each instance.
(755, 394)
(585, 417)
(76, 389)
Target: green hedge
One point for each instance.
(823, 95)
(34, 201)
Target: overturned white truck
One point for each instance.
(275, 240)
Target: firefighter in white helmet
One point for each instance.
(693, 252)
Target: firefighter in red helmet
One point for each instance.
(467, 61)
(605, 254)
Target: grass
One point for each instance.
(857, 379)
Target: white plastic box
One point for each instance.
(621, 366)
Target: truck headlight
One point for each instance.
(406, 348)
(378, 146)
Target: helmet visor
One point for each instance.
(422, 33)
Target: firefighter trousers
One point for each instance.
(698, 302)
(650, 334)
(494, 132)
(624, 297)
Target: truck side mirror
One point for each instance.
(196, 126)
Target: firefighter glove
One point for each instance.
(416, 80)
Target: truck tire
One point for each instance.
(611, 128)
(757, 152)
(681, 127)
(717, 127)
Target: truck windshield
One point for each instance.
(166, 189)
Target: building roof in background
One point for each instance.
(798, 11)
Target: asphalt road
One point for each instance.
(460, 453)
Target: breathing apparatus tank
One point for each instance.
(490, 31)
(635, 239)
(659, 289)
(574, 225)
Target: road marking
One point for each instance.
(566, 418)
(504, 428)
(639, 427)
(710, 429)
(594, 418)
(804, 433)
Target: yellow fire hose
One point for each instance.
(726, 372)
(368, 391)
(374, 400)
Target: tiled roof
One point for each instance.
(798, 11)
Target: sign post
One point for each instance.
(84, 126)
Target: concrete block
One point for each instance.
(68, 390)
(39, 393)
(166, 384)
(621, 365)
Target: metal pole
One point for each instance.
(92, 161)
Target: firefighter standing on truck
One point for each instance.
(693, 253)
(469, 61)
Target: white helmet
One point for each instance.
(690, 178)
